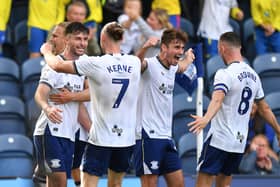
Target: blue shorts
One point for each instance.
(97, 159)
(156, 156)
(54, 154)
(2, 37)
(215, 161)
(36, 38)
(79, 151)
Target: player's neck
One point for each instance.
(112, 49)
(69, 56)
(233, 58)
(163, 61)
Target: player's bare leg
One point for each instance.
(115, 178)
(149, 180)
(56, 179)
(175, 179)
(204, 180)
(88, 180)
(223, 180)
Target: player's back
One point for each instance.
(114, 86)
(241, 85)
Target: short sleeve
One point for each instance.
(49, 76)
(222, 81)
(260, 92)
(87, 65)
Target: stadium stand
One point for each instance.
(268, 68)
(16, 156)
(30, 75)
(12, 115)
(20, 41)
(9, 77)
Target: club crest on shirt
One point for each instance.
(117, 130)
(166, 89)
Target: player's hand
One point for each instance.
(152, 41)
(189, 56)
(64, 96)
(198, 124)
(53, 114)
(46, 48)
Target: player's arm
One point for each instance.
(41, 98)
(265, 111)
(186, 61)
(56, 63)
(152, 41)
(65, 96)
(214, 106)
(83, 117)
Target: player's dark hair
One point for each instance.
(172, 34)
(76, 27)
(231, 38)
(114, 31)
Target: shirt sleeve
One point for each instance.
(260, 92)
(222, 81)
(49, 77)
(87, 65)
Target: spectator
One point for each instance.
(76, 12)
(112, 9)
(132, 32)
(156, 23)
(173, 9)
(42, 17)
(5, 9)
(266, 18)
(215, 21)
(260, 159)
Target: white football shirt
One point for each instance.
(114, 85)
(229, 127)
(73, 83)
(156, 100)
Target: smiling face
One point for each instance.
(77, 43)
(76, 13)
(173, 51)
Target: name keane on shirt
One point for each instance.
(119, 68)
(245, 75)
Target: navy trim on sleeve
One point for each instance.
(76, 69)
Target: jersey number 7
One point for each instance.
(124, 83)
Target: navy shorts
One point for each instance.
(156, 156)
(97, 159)
(79, 151)
(54, 154)
(215, 161)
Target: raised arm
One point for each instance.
(55, 62)
(186, 61)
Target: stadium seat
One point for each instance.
(20, 41)
(272, 100)
(187, 153)
(16, 153)
(33, 111)
(248, 39)
(268, 68)
(187, 26)
(183, 106)
(12, 115)
(30, 76)
(9, 77)
(212, 65)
